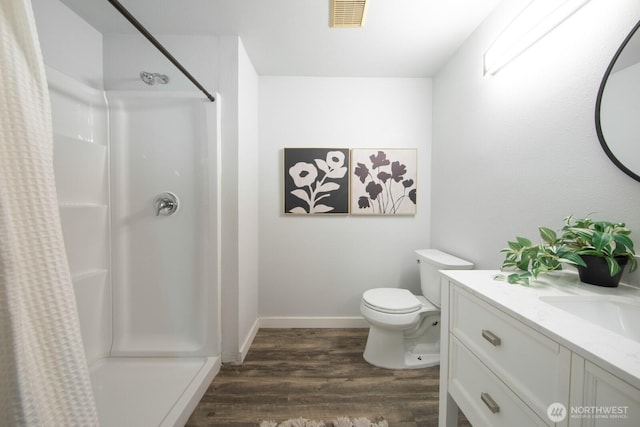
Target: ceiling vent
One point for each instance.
(348, 13)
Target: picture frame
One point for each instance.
(383, 181)
(316, 181)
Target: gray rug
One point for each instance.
(338, 422)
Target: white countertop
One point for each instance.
(614, 352)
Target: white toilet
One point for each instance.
(405, 328)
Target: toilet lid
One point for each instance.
(391, 300)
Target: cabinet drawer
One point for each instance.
(532, 365)
(483, 398)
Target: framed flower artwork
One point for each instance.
(383, 181)
(316, 181)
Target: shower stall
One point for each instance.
(138, 187)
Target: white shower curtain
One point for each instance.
(44, 379)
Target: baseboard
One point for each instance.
(236, 358)
(244, 348)
(312, 322)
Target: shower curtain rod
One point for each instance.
(159, 46)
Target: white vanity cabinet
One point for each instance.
(594, 389)
(526, 369)
(501, 369)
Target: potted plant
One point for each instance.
(599, 249)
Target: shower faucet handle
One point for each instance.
(166, 204)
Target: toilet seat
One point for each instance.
(391, 300)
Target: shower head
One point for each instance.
(151, 78)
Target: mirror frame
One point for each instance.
(601, 137)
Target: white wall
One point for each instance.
(126, 55)
(238, 89)
(519, 149)
(320, 265)
(228, 82)
(248, 208)
(68, 43)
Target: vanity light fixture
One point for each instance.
(533, 23)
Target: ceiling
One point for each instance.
(401, 38)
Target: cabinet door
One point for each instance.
(607, 401)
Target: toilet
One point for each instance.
(404, 328)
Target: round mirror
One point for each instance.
(618, 107)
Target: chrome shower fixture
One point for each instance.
(151, 78)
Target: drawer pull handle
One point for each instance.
(491, 404)
(491, 337)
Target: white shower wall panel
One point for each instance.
(78, 110)
(82, 171)
(81, 162)
(84, 228)
(162, 279)
(93, 296)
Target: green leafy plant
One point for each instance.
(577, 238)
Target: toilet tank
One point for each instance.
(431, 261)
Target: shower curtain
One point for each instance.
(44, 379)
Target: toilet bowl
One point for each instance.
(404, 330)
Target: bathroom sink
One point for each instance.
(617, 314)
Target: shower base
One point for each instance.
(150, 391)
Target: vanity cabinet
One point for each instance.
(502, 370)
(593, 388)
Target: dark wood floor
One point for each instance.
(317, 374)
